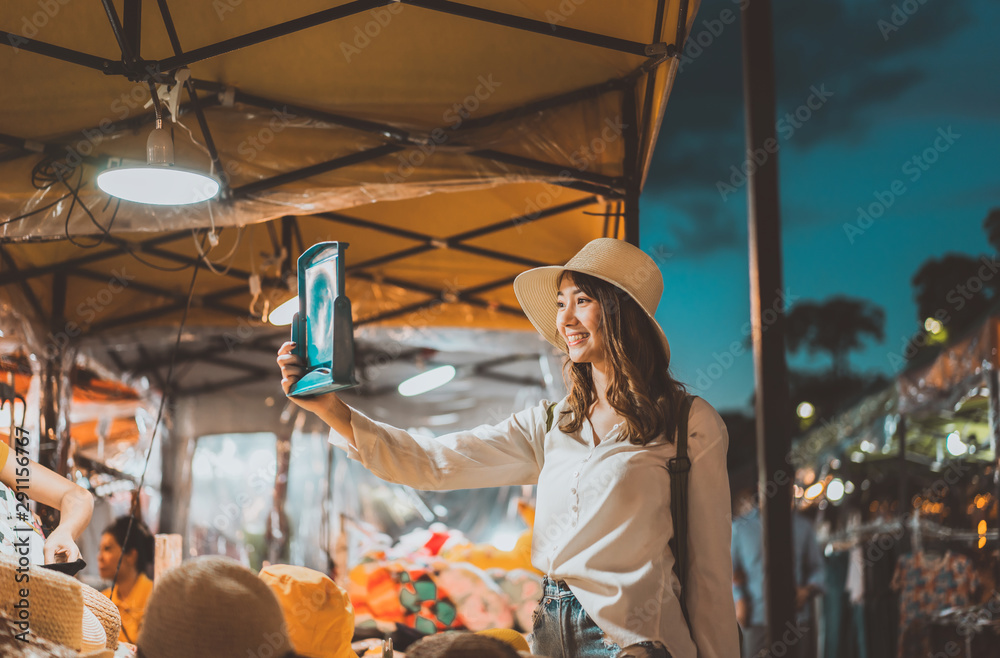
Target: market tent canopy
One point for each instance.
(949, 393)
(453, 145)
(958, 371)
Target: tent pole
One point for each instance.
(630, 166)
(53, 443)
(276, 536)
(770, 369)
(551, 28)
(19, 42)
(266, 34)
(314, 170)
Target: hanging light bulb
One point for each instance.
(282, 316)
(158, 182)
(427, 381)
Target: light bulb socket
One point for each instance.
(160, 147)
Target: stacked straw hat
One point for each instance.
(54, 603)
(105, 612)
(212, 607)
(615, 261)
(51, 605)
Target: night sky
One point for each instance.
(884, 88)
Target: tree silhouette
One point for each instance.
(956, 290)
(835, 326)
(992, 227)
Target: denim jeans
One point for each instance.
(562, 629)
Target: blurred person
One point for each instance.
(748, 578)
(20, 474)
(133, 549)
(599, 457)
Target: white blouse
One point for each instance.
(602, 520)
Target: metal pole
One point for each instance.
(770, 372)
(53, 421)
(630, 166)
(904, 505)
(995, 446)
(276, 539)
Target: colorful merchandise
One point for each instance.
(929, 585)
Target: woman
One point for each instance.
(18, 474)
(131, 585)
(602, 522)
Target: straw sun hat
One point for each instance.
(212, 607)
(55, 607)
(615, 261)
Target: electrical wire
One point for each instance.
(159, 416)
(105, 231)
(72, 206)
(33, 212)
(197, 143)
(231, 255)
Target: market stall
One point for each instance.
(451, 145)
(906, 486)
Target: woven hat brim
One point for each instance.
(536, 293)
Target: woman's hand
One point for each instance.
(60, 547)
(328, 406)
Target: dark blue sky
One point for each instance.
(889, 93)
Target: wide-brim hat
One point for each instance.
(105, 612)
(212, 607)
(53, 606)
(619, 263)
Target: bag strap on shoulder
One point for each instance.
(680, 468)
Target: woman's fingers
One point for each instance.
(290, 361)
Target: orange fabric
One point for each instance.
(4, 451)
(318, 613)
(132, 607)
(488, 557)
(375, 592)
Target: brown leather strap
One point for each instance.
(680, 469)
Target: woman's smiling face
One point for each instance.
(578, 320)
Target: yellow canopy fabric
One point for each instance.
(452, 144)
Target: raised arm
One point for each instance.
(710, 577)
(74, 503)
(507, 453)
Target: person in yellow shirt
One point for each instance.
(132, 586)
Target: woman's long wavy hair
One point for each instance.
(640, 387)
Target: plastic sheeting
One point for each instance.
(441, 94)
(873, 420)
(444, 162)
(959, 369)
